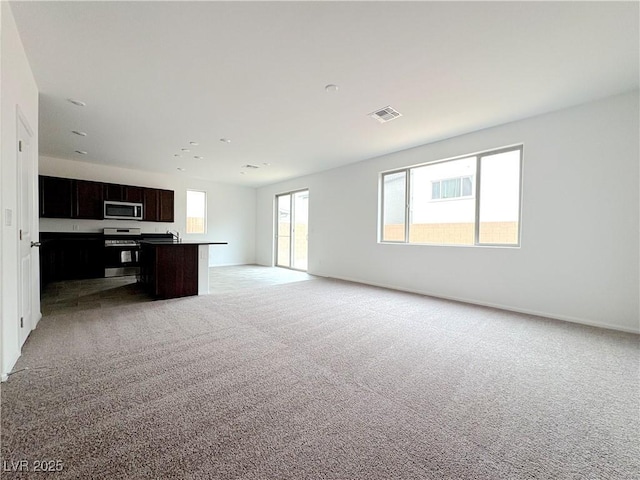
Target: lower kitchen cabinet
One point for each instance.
(169, 270)
(64, 257)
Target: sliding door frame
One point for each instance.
(291, 228)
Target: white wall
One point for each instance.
(19, 92)
(230, 209)
(579, 255)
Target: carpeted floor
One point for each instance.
(322, 379)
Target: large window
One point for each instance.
(196, 211)
(473, 200)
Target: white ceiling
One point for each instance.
(157, 75)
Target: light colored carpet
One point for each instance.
(323, 379)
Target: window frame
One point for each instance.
(406, 205)
(186, 211)
(475, 194)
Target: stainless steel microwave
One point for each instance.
(122, 210)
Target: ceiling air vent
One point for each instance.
(385, 114)
(250, 166)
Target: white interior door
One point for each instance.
(25, 212)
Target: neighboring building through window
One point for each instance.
(196, 211)
(451, 188)
(473, 200)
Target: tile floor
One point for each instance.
(77, 295)
(224, 279)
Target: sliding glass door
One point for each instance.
(292, 225)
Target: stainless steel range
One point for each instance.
(121, 252)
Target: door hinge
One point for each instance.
(21, 322)
(20, 234)
(19, 145)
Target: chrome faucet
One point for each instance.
(175, 235)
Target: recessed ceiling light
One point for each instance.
(182, 169)
(81, 152)
(242, 173)
(198, 157)
(177, 155)
(193, 143)
(331, 88)
(186, 150)
(82, 134)
(77, 102)
(266, 164)
(225, 140)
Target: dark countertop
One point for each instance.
(100, 235)
(182, 242)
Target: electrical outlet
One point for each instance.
(8, 217)
(76, 227)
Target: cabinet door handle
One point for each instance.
(36, 244)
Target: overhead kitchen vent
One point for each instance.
(385, 114)
(250, 166)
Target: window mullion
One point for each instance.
(407, 209)
(476, 233)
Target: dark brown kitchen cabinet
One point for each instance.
(158, 205)
(169, 270)
(165, 207)
(55, 197)
(113, 192)
(150, 205)
(123, 193)
(87, 200)
(69, 256)
(84, 199)
(133, 194)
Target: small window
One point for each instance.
(196, 211)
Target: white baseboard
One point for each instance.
(5, 376)
(12, 363)
(38, 317)
(509, 308)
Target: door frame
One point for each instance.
(291, 229)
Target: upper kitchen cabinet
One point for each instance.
(133, 194)
(158, 205)
(87, 200)
(84, 199)
(113, 192)
(55, 197)
(165, 206)
(150, 205)
(123, 193)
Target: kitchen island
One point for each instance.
(170, 269)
